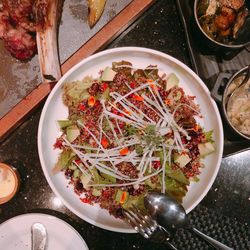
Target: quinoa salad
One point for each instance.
(130, 131)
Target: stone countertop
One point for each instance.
(159, 28)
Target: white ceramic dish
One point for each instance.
(55, 110)
(15, 233)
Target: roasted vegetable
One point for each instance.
(239, 22)
(222, 19)
(96, 8)
(233, 4)
(207, 7)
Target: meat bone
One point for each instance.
(48, 13)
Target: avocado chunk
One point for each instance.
(85, 179)
(72, 132)
(206, 148)
(108, 75)
(76, 174)
(64, 123)
(181, 159)
(172, 81)
(96, 192)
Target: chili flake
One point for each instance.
(138, 98)
(124, 151)
(91, 101)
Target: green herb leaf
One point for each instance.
(64, 160)
(139, 149)
(130, 130)
(209, 136)
(152, 137)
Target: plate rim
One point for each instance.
(134, 49)
(48, 216)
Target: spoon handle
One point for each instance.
(38, 236)
(218, 245)
(171, 246)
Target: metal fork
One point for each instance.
(146, 226)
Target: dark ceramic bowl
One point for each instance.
(223, 98)
(242, 41)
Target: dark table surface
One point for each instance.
(159, 28)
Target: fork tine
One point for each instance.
(146, 219)
(146, 226)
(141, 222)
(132, 219)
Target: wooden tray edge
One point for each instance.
(109, 32)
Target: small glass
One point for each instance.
(9, 182)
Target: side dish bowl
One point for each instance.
(242, 40)
(232, 82)
(54, 110)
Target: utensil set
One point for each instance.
(146, 226)
(162, 217)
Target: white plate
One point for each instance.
(55, 110)
(15, 233)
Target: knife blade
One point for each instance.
(38, 236)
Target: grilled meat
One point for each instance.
(21, 13)
(30, 26)
(17, 28)
(234, 4)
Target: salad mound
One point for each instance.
(130, 131)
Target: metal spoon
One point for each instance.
(171, 215)
(38, 236)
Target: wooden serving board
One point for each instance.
(17, 114)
